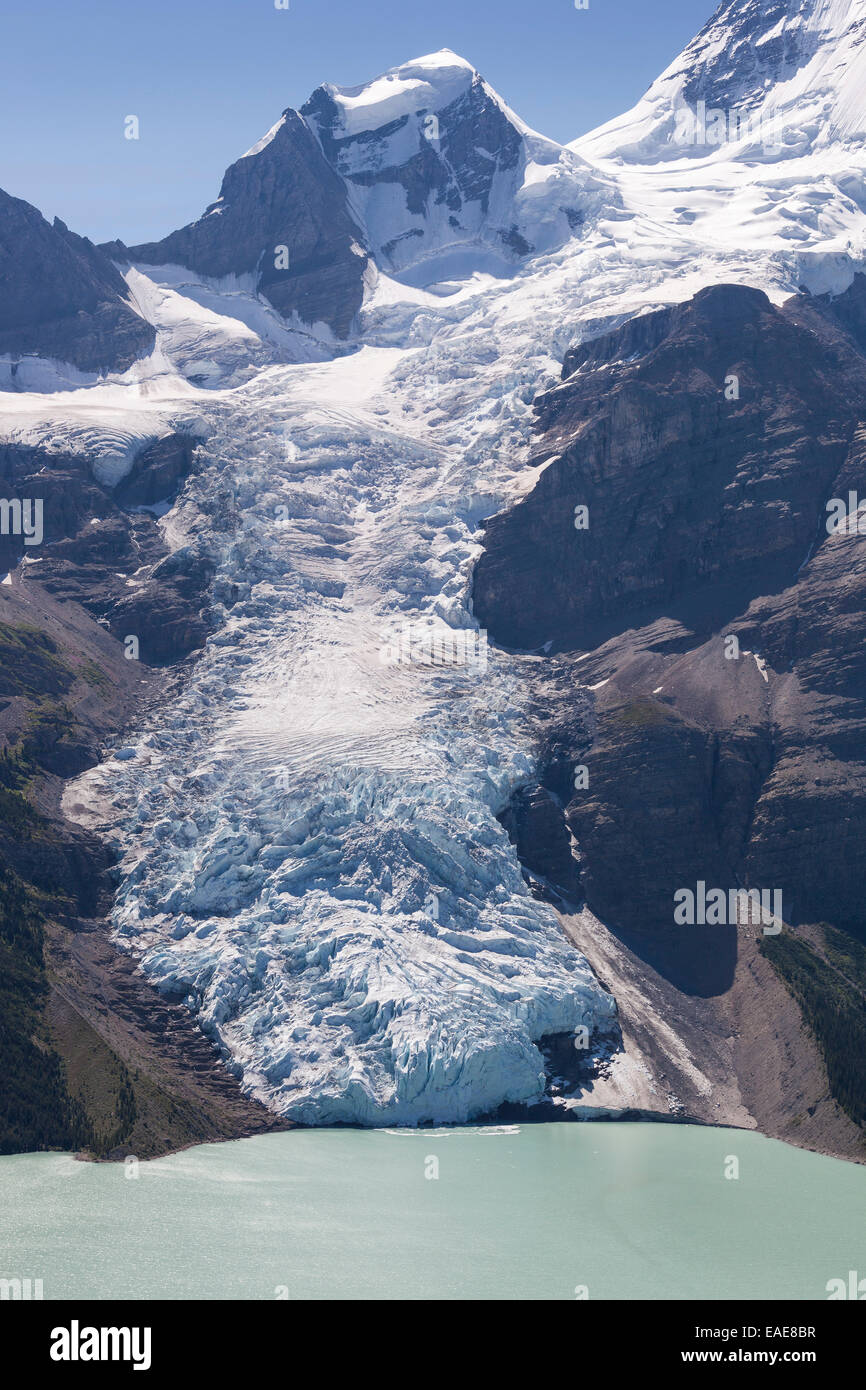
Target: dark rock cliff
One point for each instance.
(61, 297)
(716, 624)
(102, 547)
(94, 1058)
(284, 195)
(739, 763)
(696, 502)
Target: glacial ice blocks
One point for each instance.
(310, 854)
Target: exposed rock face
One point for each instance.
(94, 1058)
(157, 474)
(103, 550)
(694, 500)
(809, 829)
(785, 46)
(282, 194)
(60, 297)
(444, 177)
(447, 164)
(536, 826)
(423, 171)
(707, 522)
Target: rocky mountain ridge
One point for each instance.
(61, 298)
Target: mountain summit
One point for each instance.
(789, 73)
(438, 166)
(424, 171)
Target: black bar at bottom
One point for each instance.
(194, 1338)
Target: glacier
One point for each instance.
(310, 853)
(308, 846)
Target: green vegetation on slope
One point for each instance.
(41, 1106)
(36, 1109)
(30, 664)
(831, 991)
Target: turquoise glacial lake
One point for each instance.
(549, 1211)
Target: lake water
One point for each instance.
(626, 1210)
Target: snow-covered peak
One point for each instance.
(266, 139)
(423, 173)
(751, 143)
(443, 178)
(430, 83)
(766, 79)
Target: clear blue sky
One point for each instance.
(207, 78)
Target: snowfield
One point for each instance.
(310, 854)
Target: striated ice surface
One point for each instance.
(309, 849)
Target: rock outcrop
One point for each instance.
(61, 298)
(102, 547)
(715, 619)
(697, 660)
(282, 194)
(704, 442)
